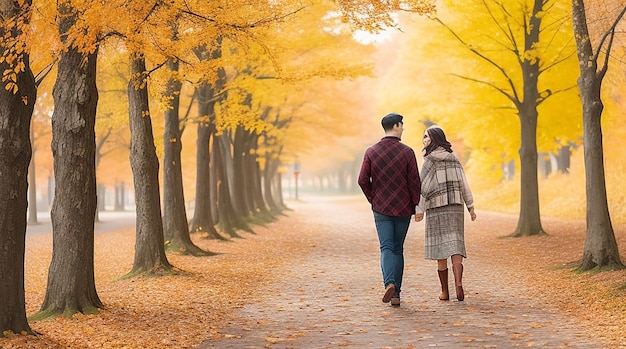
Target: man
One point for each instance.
(391, 183)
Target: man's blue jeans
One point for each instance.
(391, 234)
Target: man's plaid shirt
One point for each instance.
(390, 179)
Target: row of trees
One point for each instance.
(512, 81)
(528, 58)
(532, 47)
(243, 62)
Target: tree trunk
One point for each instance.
(600, 249)
(101, 190)
(252, 174)
(101, 198)
(16, 110)
(50, 190)
(240, 183)
(149, 245)
(256, 181)
(279, 191)
(203, 218)
(175, 224)
(213, 184)
(255, 195)
(32, 190)
(563, 159)
(227, 219)
(120, 195)
(71, 285)
(529, 222)
(268, 175)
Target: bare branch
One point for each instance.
(548, 67)
(44, 72)
(549, 93)
(610, 35)
(514, 97)
(250, 25)
(185, 118)
(157, 67)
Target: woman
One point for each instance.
(444, 191)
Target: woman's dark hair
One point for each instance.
(437, 139)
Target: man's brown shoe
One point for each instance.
(389, 291)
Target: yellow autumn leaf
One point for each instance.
(272, 340)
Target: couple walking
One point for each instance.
(392, 183)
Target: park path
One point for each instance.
(330, 297)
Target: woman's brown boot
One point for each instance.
(443, 279)
(457, 269)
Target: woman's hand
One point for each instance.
(472, 214)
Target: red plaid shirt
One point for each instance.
(390, 179)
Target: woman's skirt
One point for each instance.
(445, 232)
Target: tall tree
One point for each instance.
(228, 220)
(518, 26)
(141, 19)
(600, 249)
(203, 220)
(150, 255)
(17, 99)
(175, 223)
(208, 94)
(71, 285)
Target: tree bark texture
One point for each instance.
(529, 222)
(600, 249)
(16, 110)
(150, 255)
(71, 286)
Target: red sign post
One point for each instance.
(296, 172)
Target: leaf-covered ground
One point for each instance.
(186, 309)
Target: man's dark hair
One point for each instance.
(390, 120)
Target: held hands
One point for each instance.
(419, 216)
